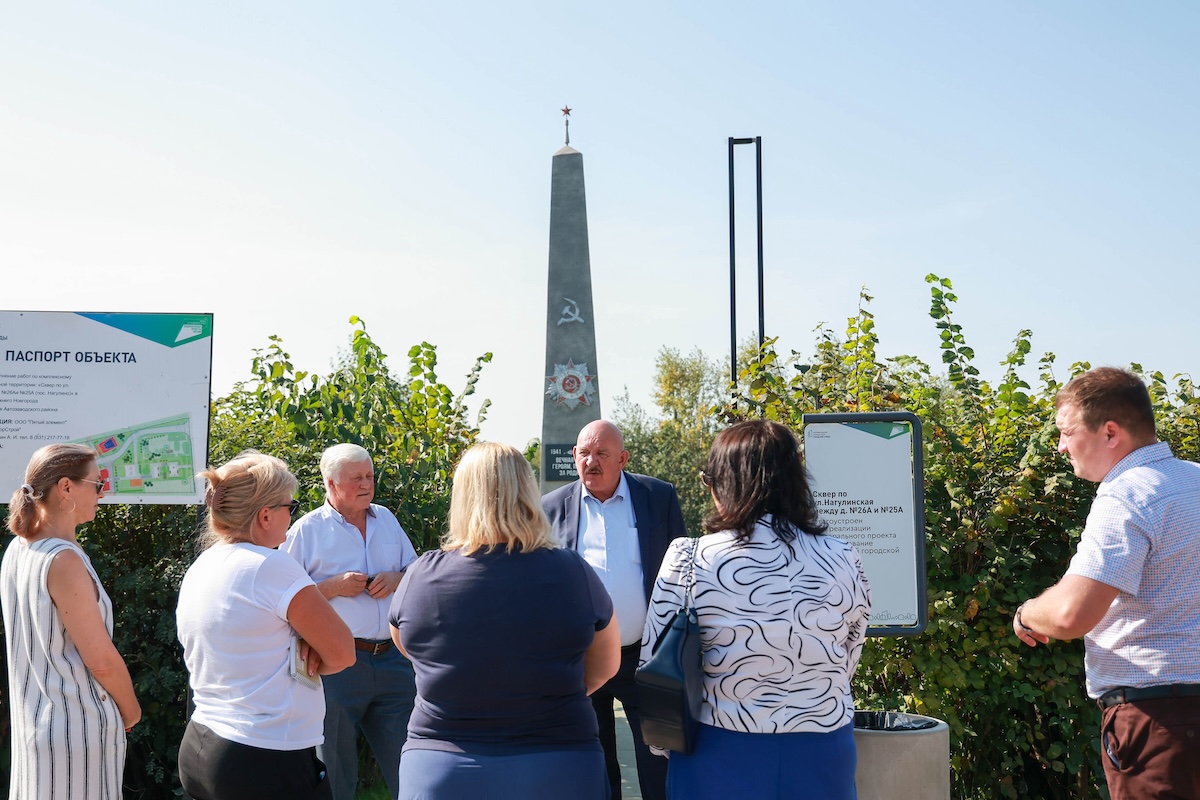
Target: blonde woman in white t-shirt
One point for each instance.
(244, 608)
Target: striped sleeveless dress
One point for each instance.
(68, 741)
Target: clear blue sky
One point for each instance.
(287, 165)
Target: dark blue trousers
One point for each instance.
(766, 766)
(442, 775)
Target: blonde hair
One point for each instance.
(238, 490)
(495, 502)
(28, 509)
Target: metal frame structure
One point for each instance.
(734, 142)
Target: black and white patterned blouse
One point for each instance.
(782, 629)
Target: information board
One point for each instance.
(135, 387)
(867, 480)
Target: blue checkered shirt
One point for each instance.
(1143, 537)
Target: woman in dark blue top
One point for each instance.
(508, 634)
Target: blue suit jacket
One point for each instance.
(655, 508)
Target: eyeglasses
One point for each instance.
(707, 481)
(98, 484)
(292, 507)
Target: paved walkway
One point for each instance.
(629, 783)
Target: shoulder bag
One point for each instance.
(669, 684)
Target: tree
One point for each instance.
(674, 447)
(415, 428)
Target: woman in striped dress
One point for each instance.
(783, 610)
(70, 695)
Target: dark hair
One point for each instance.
(754, 469)
(1109, 394)
(49, 465)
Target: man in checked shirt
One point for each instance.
(1132, 589)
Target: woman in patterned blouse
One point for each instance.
(783, 611)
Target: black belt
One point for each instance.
(373, 647)
(1132, 695)
(625, 648)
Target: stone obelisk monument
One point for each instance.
(571, 389)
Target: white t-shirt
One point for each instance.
(232, 623)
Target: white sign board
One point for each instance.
(133, 386)
(868, 487)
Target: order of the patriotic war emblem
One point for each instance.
(571, 385)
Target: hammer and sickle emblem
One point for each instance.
(570, 312)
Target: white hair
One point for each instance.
(336, 458)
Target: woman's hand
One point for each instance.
(311, 658)
(322, 630)
(131, 716)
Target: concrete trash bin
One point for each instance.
(901, 756)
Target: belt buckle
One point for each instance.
(378, 648)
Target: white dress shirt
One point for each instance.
(326, 544)
(608, 540)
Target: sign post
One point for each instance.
(867, 481)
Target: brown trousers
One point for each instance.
(1151, 749)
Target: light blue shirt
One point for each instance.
(1143, 537)
(608, 540)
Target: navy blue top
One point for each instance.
(497, 642)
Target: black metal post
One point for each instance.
(758, 175)
(757, 142)
(732, 276)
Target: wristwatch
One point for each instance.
(1021, 624)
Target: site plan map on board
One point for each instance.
(149, 458)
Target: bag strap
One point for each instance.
(690, 579)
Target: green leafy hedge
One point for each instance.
(1003, 515)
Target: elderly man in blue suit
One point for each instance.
(621, 523)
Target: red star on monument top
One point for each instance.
(566, 111)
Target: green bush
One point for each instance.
(1003, 515)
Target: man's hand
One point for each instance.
(384, 584)
(1027, 635)
(348, 584)
(1067, 610)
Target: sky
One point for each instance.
(285, 166)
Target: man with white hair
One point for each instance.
(356, 552)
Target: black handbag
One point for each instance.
(670, 687)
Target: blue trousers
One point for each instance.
(765, 766)
(553, 774)
(375, 696)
